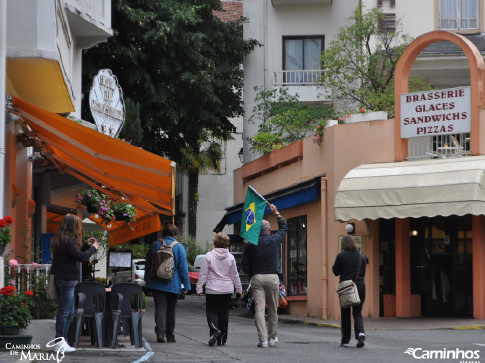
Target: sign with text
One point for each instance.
(106, 103)
(435, 112)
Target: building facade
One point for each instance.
(423, 261)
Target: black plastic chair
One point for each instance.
(91, 305)
(126, 304)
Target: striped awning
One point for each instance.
(425, 188)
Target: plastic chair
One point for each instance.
(91, 304)
(126, 303)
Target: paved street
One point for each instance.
(387, 339)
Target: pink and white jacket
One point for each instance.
(219, 273)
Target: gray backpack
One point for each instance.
(163, 263)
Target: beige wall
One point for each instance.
(344, 147)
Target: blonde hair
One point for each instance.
(221, 240)
(71, 227)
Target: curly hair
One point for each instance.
(221, 240)
(71, 227)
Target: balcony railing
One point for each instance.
(441, 146)
(298, 78)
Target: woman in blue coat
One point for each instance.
(165, 293)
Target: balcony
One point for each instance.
(441, 146)
(299, 2)
(305, 83)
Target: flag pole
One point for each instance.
(254, 190)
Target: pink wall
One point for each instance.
(344, 147)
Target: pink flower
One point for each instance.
(348, 114)
(340, 119)
(318, 137)
(362, 110)
(35, 265)
(13, 262)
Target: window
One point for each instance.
(458, 14)
(301, 57)
(297, 257)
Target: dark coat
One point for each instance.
(263, 258)
(65, 262)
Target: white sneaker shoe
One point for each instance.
(272, 342)
(263, 344)
(63, 347)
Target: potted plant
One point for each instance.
(124, 212)
(93, 201)
(5, 236)
(15, 310)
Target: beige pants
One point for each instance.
(265, 289)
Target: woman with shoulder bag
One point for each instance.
(67, 253)
(350, 265)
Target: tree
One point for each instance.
(283, 119)
(360, 63)
(182, 65)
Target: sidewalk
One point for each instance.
(415, 323)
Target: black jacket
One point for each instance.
(66, 258)
(346, 264)
(263, 258)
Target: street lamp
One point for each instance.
(241, 155)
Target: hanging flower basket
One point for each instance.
(93, 201)
(124, 212)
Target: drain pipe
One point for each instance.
(3, 124)
(3, 82)
(325, 248)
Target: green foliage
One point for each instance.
(361, 62)
(15, 307)
(182, 66)
(41, 308)
(139, 249)
(283, 119)
(192, 248)
(132, 131)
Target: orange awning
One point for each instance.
(113, 166)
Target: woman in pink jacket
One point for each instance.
(219, 275)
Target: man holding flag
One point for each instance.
(260, 261)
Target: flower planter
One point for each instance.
(42, 331)
(9, 329)
(368, 116)
(121, 217)
(13, 340)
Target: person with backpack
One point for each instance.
(220, 277)
(165, 272)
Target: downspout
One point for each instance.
(323, 207)
(3, 124)
(3, 82)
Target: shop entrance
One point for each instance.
(441, 265)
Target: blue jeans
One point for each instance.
(65, 310)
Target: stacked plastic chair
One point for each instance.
(91, 304)
(126, 303)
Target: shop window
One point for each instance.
(297, 256)
(458, 14)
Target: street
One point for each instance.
(297, 342)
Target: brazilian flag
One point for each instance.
(252, 216)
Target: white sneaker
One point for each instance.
(63, 347)
(272, 342)
(263, 344)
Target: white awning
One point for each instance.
(425, 188)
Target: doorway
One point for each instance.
(441, 265)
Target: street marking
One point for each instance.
(148, 355)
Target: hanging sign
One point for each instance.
(435, 112)
(106, 103)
